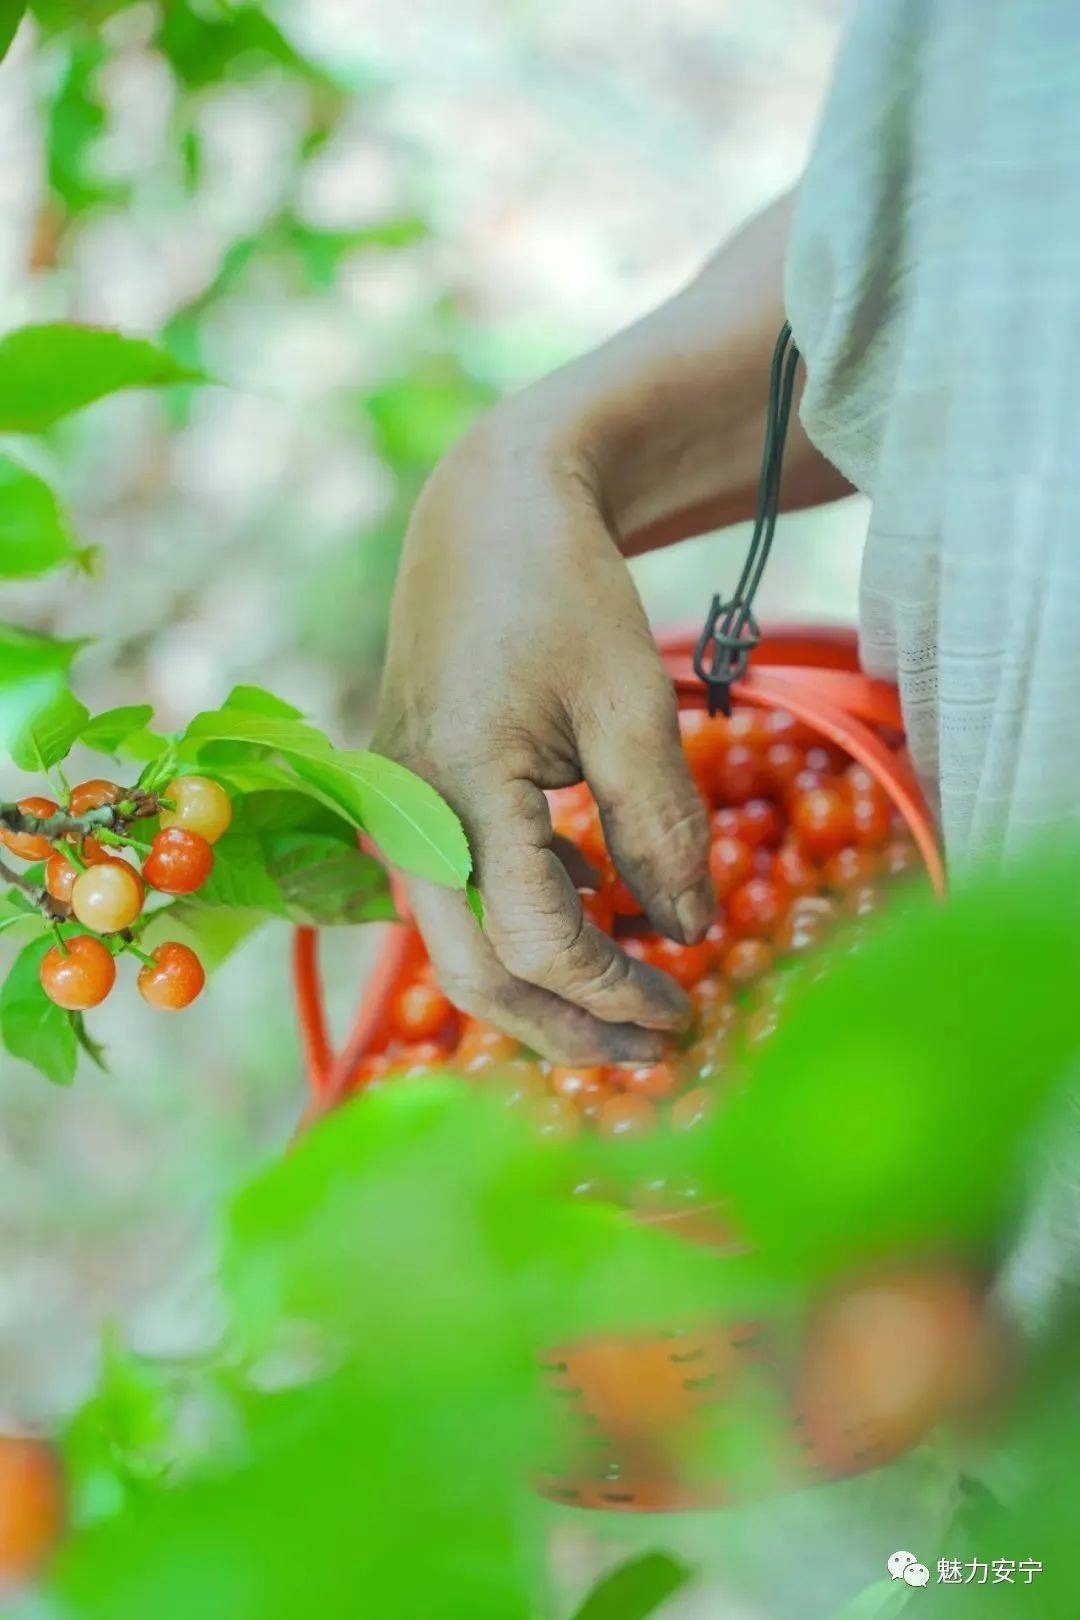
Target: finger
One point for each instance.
(476, 981)
(533, 915)
(655, 822)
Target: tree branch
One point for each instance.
(35, 892)
(112, 817)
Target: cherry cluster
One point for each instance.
(89, 878)
(805, 846)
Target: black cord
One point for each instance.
(731, 630)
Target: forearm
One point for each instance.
(666, 420)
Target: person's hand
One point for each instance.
(520, 659)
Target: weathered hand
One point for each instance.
(520, 659)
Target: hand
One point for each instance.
(520, 659)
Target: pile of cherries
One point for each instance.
(804, 841)
(91, 880)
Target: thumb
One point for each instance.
(655, 821)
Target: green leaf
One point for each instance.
(889, 1111)
(76, 120)
(239, 42)
(112, 728)
(240, 879)
(414, 828)
(93, 1049)
(881, 1601)
(256, 700)
(32, 671)
(46, 372)
(635, 1589)
(325, 883)
(50, 736)
(476, 902)
(11, 14)
(213, 932)
(34, 536)
(31, 1026)
(417, 417)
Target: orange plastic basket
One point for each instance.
(626, 1397)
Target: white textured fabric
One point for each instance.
(933, 286)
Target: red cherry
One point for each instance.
(93, 794)
(747, 960)
(653, 1080)
(759, 822)
(823, 821)
(871, 819)
(627, 1115)
(30, 846)
(709, 994)
(702, 739)
(756, 907)
(794, 870)
(482, 1045)
(107, 896)
(31, 1508)
(420, 1010)
(179, 861)
(885, 1360)
(806, 924)
(685, 963)
(60, 875)
(782, 763)
(175, 978)
(692, 1108)
(554, 1120)
(80, 976)
(414, 1058)
(731, 862)
(850, 867)
(738, 774)
(597, 909)
(578, 1085)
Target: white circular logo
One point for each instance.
(899, 1562)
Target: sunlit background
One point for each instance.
(366, 238)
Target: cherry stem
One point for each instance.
(70, 853)
(61, 944)
(107, 837)
(134, 950)
(103, 818)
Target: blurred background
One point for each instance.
(368, 220)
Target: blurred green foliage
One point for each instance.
(376, 1406)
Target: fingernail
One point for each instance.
(633, 1046)
(694, 910)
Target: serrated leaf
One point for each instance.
(50, 736)
(280, 734)
(31, 1026)
(476, 902)
(240, 878)
(413, 826)
(34, 535)
(112, 728)
(635, 1589)
(325, 883)
(32, 671)
(46, 372)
